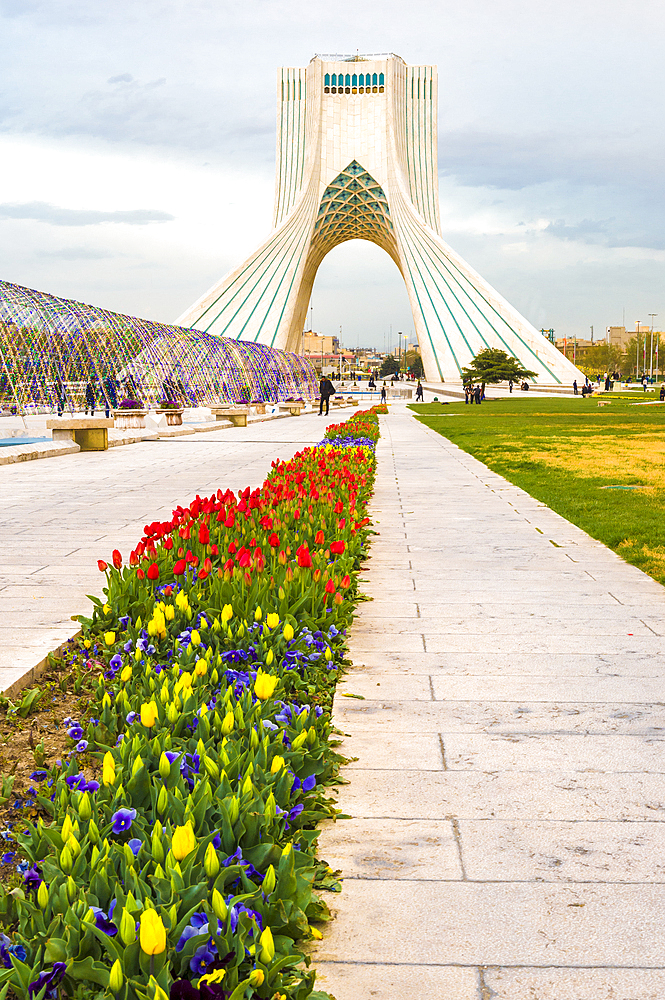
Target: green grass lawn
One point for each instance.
(572, 454)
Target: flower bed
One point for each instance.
(176, 852)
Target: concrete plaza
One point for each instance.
(508, 796)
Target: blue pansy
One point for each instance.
(122, 819)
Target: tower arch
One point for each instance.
(357, 159)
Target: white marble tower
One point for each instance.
(357, 159)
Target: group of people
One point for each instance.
(474, 394)
(108, 397)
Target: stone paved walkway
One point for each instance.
(60, 515)
(508, 798)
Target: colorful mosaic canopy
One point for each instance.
(53, 349)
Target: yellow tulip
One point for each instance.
(149, 714)
(183, 841)
(316, 933)
(228, 723)
(264, 685)
(126, 674)
(108, 769)
(201, 667)
(269, 657)
(277, 764)
(195, 638)
(106, 608)
(87, 643)
(288, 632)
(258, 614)
(152, 934)
(272, 620)
(267, 946)
(109, 638)
(227, 613)
(256, 977)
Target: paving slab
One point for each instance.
(508, 705)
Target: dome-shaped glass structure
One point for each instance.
(50, 345)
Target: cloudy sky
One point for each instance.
(137, 145)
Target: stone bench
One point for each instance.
(89, 433)
(259, 407)
(236, 414)
(295, 409)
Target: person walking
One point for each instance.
(90, 399)
(110, 394)
(420, 396)
(60, 395)
(510, 386)
(384, 394)
(326, 390)
(466, 394)
(575, 390)
(645, 382)
(662, 392)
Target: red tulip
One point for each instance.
(232, 548)
(140, 574)
(214, 550)
(273, 540)
(318, 538)
(168, 543)
(337, 548)
(102, 565)
(117, 559)
(338, 598)
(153, 571)
(230, 521)
(339, 507)
(207, 566)
(168, 591)
(133, 559)
(204, 534)
(179, 567)
(330, 587)
(346, 581)
(303, 556)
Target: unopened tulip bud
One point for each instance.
(85, 806)
(256, 977)
(270, 807)
(93, 832)
(288, 632)
(157, 849)
(164, 766)
(269, 880)
(228, 723)
(42, 895)
(72, 891)
(138, 763)
(66, 860)
(211, 862)
(116, 978)
(162, 800)
(127, 927)
(218, 905)
(234, 810)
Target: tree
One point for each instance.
(388, 366)
(601, 358)
(414, 364)
(491, 366)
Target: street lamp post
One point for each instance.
(651, 353)
(637, 359)
(400, 335)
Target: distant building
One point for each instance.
(316, 343)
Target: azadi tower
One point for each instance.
(357, 159)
